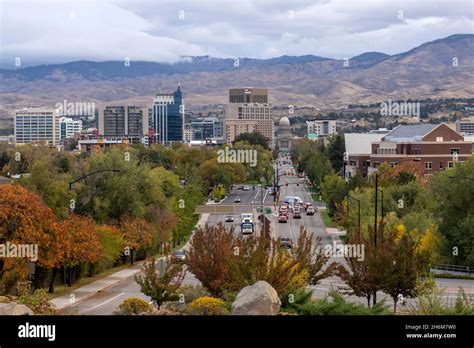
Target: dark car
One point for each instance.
(237, 200)
(286, 243)
(180, 255)
(229, 219)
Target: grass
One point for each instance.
(327, 219)
(61, 289)
(452, 276)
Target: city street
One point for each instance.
(105, 302)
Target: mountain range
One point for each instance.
(442, 68)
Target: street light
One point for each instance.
(377, 189)
(355, 199)
(89, 174)
(376, 201)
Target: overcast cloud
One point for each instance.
(45, 31)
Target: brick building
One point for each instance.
(437, 145)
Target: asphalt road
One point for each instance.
(105, 302)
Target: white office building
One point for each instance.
(37, 125)
(321, 128)
(69, 127)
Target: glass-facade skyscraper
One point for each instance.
(167, 117)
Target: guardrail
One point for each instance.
(454, 269)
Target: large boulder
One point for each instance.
(257, 299)
(13, 308)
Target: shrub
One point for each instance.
(207, 306)
(133, 306)
(191, 292)
(38, 302)
(334, 304)
(433, 304)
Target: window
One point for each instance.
(439, 138)
(450, 164)
(428, 165)
(440, 166)
(455, 150)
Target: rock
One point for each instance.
(13, 308)
(257, 299)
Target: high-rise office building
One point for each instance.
(168, 117)
(37, 125)
(69, 127)
(206, 128)
(248, 111)
(123, 122)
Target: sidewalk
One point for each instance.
(86, 291)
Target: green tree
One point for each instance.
(335, 152)
(161, 285)
(254, 138)
(453, 209)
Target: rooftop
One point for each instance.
(413, 132)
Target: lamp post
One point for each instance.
(376, 201)
(89, 174)
(377, 189)
(355, 199)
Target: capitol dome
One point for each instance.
(284, 122)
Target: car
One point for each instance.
(286, 243)
(237, 200)
(229, 218)
(282, 217)
(310, 210)
(246, 188)
(307, 204)
(297, 212)
(246, 217)
(180, 255)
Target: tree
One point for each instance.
(137, 234)
(361, 275)
(453, 209)
(112, 244)
(164, 285)
(78, 243)
(254, 138)
(208, 257)
(25, 219)
(335, 152)
(333, 189)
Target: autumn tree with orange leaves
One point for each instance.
(138, 235)
(78, 243)
(25, 219)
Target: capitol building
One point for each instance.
(283, 135)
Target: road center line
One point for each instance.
(103, 303)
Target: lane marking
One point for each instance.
(103, 303)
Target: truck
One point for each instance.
(247, 227)
(247, 217)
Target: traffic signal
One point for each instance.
(286, 184)
(297, 184)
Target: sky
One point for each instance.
(53, 31)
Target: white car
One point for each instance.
(247, 217)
